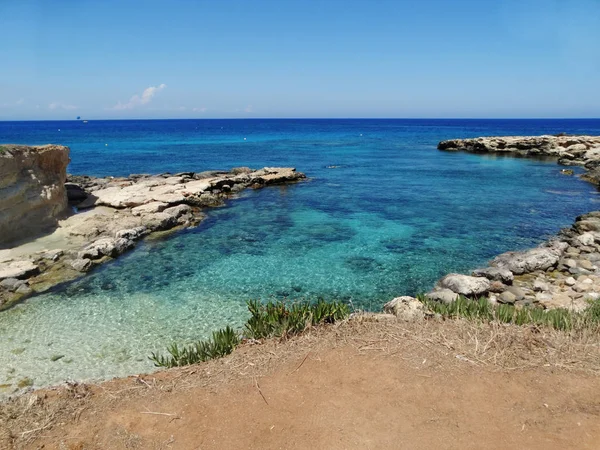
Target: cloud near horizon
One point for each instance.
(58, 105)
(143, 99)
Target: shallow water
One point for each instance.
(391, 217)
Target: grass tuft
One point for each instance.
(558, 319)
(222, 343)
(273, 319)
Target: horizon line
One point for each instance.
(302, 118)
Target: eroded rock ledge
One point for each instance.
(114, 213)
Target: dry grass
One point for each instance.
(446, 344)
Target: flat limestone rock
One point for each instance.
(18, 269)
(148, 208)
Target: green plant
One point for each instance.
(272, 319)
(481, 309)
(276, 319)
(222, 343)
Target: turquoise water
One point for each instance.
(383, 214)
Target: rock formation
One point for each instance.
(569, 150)
(114, 213)
(561, 273)
(32, 190)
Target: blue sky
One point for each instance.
(327, 58)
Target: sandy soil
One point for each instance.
(373, 385)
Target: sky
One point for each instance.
(124, 59)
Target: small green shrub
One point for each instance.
(222, 343)
(481, 309)
(276, 319)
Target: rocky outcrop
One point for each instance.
(114, 213)
(32, 190)
(561, 273)
(579, 149)
(568, 150)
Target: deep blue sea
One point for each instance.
(384, 213)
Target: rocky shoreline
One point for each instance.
(563, 272)
(113, 213)
(109, 215)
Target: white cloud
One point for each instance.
(203, 109)
(9, 104)
(57, 105)
(249, 109)
(143, 99)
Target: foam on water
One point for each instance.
(392, 217)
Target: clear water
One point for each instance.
(393, 216)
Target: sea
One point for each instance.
(383, 213)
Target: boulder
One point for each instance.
(586, 238)
(495, 274)
(24, 289)
(82, 264)
(497, 286)
(464, 284)
(159, 221)
(517, 292)
(540, 258)
(507, 297)
(541, 285)
(406, 308)
(442, 295)
(11, 284)
(178, 211)
(585, 264)
(105, 247)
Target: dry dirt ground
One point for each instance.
(363, 384)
